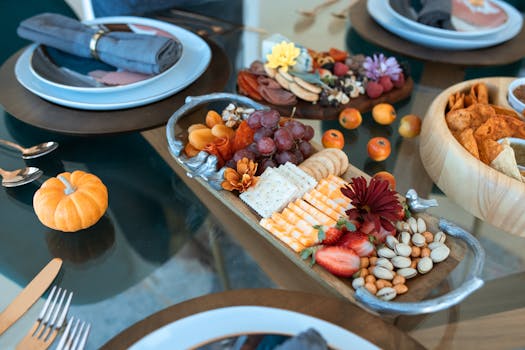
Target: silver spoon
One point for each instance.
(19, 177)
(32, 152)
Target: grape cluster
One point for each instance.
(275, 144)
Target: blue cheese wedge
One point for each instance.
(272, 193)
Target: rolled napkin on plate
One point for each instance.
(126, 50)
(436, 13)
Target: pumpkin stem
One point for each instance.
(69, 187)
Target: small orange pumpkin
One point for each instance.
(71, 201)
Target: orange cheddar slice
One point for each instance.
(333, 191)
(337, 180)
(322, 217)
(298, 230)
(303, 214)
(326, 203)
(278, 232)
(319, 205)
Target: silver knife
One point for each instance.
(30, 294)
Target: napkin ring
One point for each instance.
(94, 41)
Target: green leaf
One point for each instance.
(342, 222)
(407, 210)
(309, 252)
(321, 234)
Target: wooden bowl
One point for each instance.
(481, 190)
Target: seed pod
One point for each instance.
(400, 289)
(429, 237)
(363, 272)
(435, 245)
(398, 280)
(402, 249)
(365, 262)
(425, 265)
(439, 254)
(370, 279)
(412, 223)
(416, 252)
(418, 239)
(405, 226)
(391, 241)
(358, 282)
(372, 260)
(383, 273)
(404, 237)
(371, 287)
(421, 225)
(386, 253)
(440, 237)
(425, 251)
(382, 284)
(386, 293)
(407, 272)
(401, 262)
(384, 262)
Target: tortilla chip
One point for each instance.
(494, 128)
(479, 93)
(459, 119)
(456, 101)
(467, 140)
(506, 163)
(516, 125)
(506, 111)
(489, 150)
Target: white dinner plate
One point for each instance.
(377, 10)
(201, 328)
(445, 33)
(195, 58)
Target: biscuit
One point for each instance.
(308, 86)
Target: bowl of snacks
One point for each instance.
(471, 146)
(370, 244)
(516, 95)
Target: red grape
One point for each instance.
(270, 119)
(252, 147)
(254, 120)
(266, 146)
(296, 128)
(308, 133)
(262, 132)
(298, 155)
(283, 139)
(306, 149)
(264, 164)
(286, 156)
(243, 153)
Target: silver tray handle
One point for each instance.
(472, 283)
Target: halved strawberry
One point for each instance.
(367, 227)
(358, 242)
(330, 236)
(383, 233)
(340, 261)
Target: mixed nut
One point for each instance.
(414, 251)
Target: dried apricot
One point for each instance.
(213, 118)
(201, 137)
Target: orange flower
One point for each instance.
(242, 178)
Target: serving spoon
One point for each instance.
(34, 151)
(344, 12)
(313, 12)
(19, 177)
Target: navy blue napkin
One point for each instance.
(126, 50)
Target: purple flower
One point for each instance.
(378, 66)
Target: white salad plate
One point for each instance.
(195, 58)
(205, 327)
(454, 34)
(379, 12)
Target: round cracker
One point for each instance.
(320, 164)
(332, 157)
(312, 169)
(342, 157)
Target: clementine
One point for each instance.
(350, 118)
(384, 113)
(410, 126)
(333, 138)
(386, 176)
(378, 148)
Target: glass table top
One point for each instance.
(157, 243)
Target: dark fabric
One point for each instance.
(436, 13)
(309, 339)
(133, 52)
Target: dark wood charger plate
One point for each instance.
(308, 110)
(38, 112)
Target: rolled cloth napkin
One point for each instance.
(436, 13)
(126, 50)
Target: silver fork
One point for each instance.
(49, 321)
(78, 337)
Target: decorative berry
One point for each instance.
(386, 83)
(400, 81)
(373, 89)
(340, 69)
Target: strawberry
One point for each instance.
(383, 233)
(339, 261)
(340, 69)
(400, 81)
(358, 242)
(373, 89)
(367, 227)
(328, 237)
(386, 83)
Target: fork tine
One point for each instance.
(63, 339)
(83, 340)
(78, 335)
(64, 312)
(42, 313)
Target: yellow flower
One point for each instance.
(283, 55)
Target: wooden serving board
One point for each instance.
(363, 103)
(481, 190)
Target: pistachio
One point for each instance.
(440, 237)
(400, 289)
(383, 283)
(372, 260)
(440, 253)
(407, 272)
(363, 272)
(416, 252)
(402, 249)
(399, 226)
(387, 293)
(383, 273)
(370, 279)
(391, 241)
(358, 282)
(384, 262)
(418, 239)
(429, 237)
(425, 265)
(386, 253)
(371, 287)
(435, 245)
(364, 262)
(404, 237)
(425, 251)
(398, 280)
(412, 222)
(421, 225)
(401, 262)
